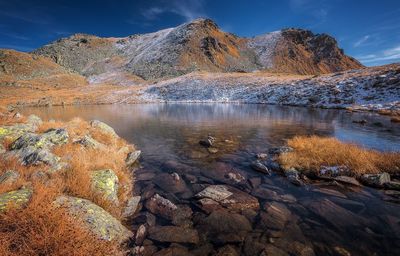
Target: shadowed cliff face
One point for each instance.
(198, 46)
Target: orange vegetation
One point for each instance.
(42, 229)
(310, 153)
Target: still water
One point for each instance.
(324, 217)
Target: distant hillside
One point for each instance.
(197, 46)
(24, 69)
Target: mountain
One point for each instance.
(196, 46)
(24, 69)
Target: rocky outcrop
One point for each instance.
(105, 183)
(16, 198)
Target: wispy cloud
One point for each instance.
(189, 10)
(388, 55)
(317, 9)
(362, 40)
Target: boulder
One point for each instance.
(56, 136)
(96, 219)
(173, 234)
(105, 183)
(229, 197)
(375, 180)
(17, 198)
(334, 171)
(392, 185)
(260, 167)
(9, 177)
(132, 157)
(105, 128)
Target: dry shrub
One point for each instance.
(45, 126)
(42, 229)
(310, 153)
(11, 163)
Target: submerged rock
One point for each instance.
(347, 180)
(260, 167)
(161, 206)
(228, 197)
(95, 218)
(105, 183)
(9, 177)
(375, 180)
(172, 183)
(16, 198)
(173, 234)
(276, 216)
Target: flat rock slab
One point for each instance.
(173, 234)
(275, 217)
(229, 197)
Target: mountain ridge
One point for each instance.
(199, 45)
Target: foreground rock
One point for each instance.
(375, 180)
(103, 127)
(16, 198)
(96, 219)
(173, 234)
(228, 197)
(260, 167)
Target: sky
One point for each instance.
(368, 30)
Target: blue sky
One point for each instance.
(368, 30)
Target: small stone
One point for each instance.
(260, 167)
(212, 150)
(9, 177)
(262, 156)
(207, 142)
(132, 157)
(294, 177)
(131, 206)
(280, 150)
(161, 206)
(140, 235)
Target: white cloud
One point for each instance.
(391, 54)
(362, 40)
(189, 10)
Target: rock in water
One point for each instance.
(132, 157)
(228, 197)
(260, 167)
(95, 218)
(17, 198)
(173, 234)
(161, 206)
(294, 177)
(207, 142)
(131, 207)
(105, 183)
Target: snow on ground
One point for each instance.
(365, 89)
(264, 47)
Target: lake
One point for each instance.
(325, 216)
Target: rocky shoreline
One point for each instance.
(184, 210)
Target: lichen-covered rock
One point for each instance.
(132, 157)
(103, 127)
(56, 136)
(17, 198)
(14, 131)
(96, 219)
(88, 142)
(8, 177)
(105, 183)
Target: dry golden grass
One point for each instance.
(41, 229)
(310, 153)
